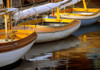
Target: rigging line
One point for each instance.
(11, 3)
(91, 3)
(22, 14)
(88, 2)
(20, 8)
(51, 8)
(42, 18)
(73, 7)
(35, 14)
(64, 9)
(48, 11)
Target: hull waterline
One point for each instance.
(87, 17)
(51, 36)
(12, 56)
(52, 29)
(16, 46)
(85, 22)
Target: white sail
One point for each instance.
(34, 10)
(40, 9)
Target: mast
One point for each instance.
(8, 6)
(53, 10)
(84, 4)
(58, 16)
(6, 26)
(8, 3)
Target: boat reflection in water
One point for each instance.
(42, 54)
(87, 29)
(55, 45)
(81, 58)
(59, 55)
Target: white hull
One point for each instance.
(12, 56)
(85, 20)
(51, 36)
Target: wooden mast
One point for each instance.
(52, 11)
(84, 4)
(8, 3)
(8, 6)
(6, 26)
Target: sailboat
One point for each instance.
(86, 15)
(13, 43)
(51, 29)
(48, 29)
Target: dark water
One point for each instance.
(80, 51)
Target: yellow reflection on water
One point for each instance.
(86, 55)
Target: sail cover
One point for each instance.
(34, 10)
(40, 9)
(13, 10)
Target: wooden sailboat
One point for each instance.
(50, 29)
(14, 43)
(86, 15)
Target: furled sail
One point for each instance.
(35, 10)
(39, 9)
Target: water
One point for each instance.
(80, 51)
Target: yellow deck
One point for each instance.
(47, 20)
(15, 34)
(70, 11)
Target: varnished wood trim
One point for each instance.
(11, 46)
(91, 14)
(65, 27)
(46, 29)
(42, 29)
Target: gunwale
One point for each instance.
(47, 29)
(71, 15)
(17, 44)
(94, 11)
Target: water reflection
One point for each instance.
(72, 53)
(46, 55)
(87, 29)
(54, 46)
